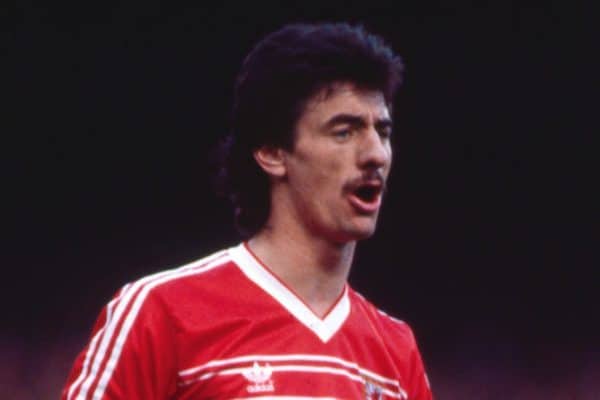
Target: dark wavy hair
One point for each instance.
(281, 73)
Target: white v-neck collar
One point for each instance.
(324, 328)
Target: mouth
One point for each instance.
(366, 197)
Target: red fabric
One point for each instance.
(208, 331)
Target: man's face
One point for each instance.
(338, 167)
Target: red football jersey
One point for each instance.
(225, 327)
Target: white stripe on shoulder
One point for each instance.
(134, 294)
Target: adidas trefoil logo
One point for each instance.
(260, 376)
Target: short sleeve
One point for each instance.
(131, 354)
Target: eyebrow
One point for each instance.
(355, 120)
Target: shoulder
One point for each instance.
(395, 330)
(401, 346)
(160, 289)
(180, 276)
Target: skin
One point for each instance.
(342, 140)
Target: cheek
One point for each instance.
(319, 170)
(308, 183)
(390, 159)
(317, 173)
(322, 182)
(330, 175)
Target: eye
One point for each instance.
(385, 132)
(342, 133)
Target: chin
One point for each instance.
(364, 228)
(349, 229)
(358, 233)
(365, 234)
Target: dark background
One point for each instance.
(488, 240)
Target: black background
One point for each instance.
(488, 240)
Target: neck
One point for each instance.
(317, 270)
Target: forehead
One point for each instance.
(345, 98)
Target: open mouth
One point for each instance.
(366, 197)
(367, 193)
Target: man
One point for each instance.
(273, 317)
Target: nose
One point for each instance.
(374, 151)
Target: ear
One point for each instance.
(271, 160)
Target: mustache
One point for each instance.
(367, 178)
